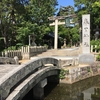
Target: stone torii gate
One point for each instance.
(56, 23)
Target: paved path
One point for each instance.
(23, 61)
(68, 53)
(5, 69)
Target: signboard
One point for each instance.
(86, 33)
(67, 21)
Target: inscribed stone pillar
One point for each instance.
(85, 33)
(86, 57)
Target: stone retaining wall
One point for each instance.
(68, 62)
(74, 74)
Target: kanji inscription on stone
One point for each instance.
(86, 33)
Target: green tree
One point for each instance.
(9, 11)
(20, 18)
(91, 7)
(96, 13)
(64, 11)
(35, 19)
(38, 12)
(75, 35)
(70, 33)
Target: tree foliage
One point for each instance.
(96, 13)
(9, 13)
(70, 33)
(20, 18)
(64, 11)
(91, 7)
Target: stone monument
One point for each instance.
(86, 57)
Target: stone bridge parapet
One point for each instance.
(7, 60)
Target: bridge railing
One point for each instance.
(24, 52)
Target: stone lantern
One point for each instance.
(96, 33)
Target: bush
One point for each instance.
(96, 43)
(10, 48)
(98, 57)
(63, 73)
(97, 48)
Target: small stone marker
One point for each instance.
(16, 60)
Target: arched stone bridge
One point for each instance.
(17, 80)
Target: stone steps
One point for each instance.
(60, 52)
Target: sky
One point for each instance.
(65, 2)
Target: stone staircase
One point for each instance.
(61, 52)
(67, 57)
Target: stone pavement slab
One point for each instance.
(4, 69)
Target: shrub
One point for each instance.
(97, 44)
(98, 57)
(63, 73)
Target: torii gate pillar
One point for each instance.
(56, 23)
(56, 35)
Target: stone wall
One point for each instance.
(74, 74)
